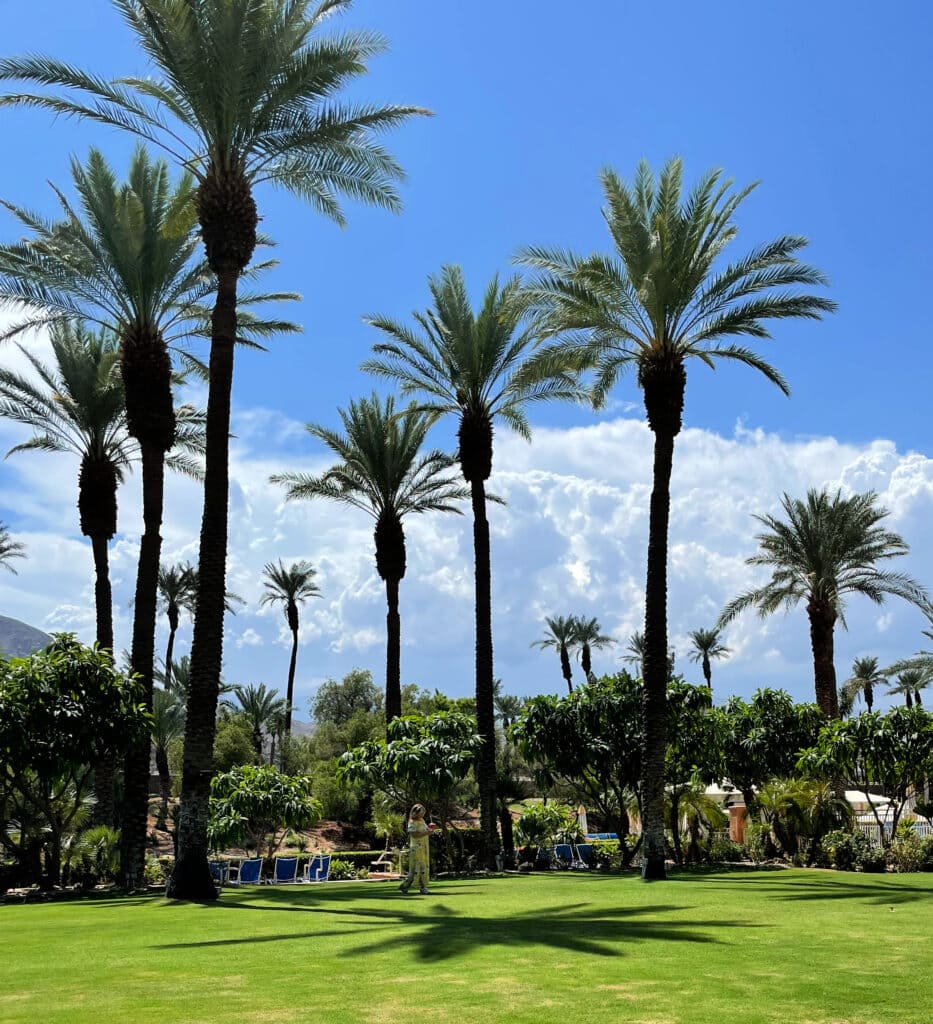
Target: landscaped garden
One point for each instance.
(751, 946)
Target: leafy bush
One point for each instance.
(926, 853)
(541, 823)
(907, 854)
(607, 854)
(154, 872)
(723, 850)
(343, 871)
(846, 850)
(758, 843)
(871, 860)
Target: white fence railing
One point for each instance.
(873, 831)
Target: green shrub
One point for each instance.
(907, 854)
(606, 854)
(342, 870)
(843, 848)
(758, 843)
(723, 850)
(154, 872)
(926, 853)
(871, 860)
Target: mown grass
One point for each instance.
(788, 947)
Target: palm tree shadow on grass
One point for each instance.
(575, 927)
(832, 888)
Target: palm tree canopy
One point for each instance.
(289, 585)
(589, 632)
(829, 546)
(470, 363)
(865, 672)
(635, 649)
(561, 633)
(177, 587)
(9, 549)
(663, 295)
(241, 88)
(259, 703)
(910, 681)
(706, 644)
(381, 469)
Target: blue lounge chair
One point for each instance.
(563, 856)
(219, 870)
(248, 872)
(285, 871)
(585, 854)
(318, 868)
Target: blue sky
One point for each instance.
(825, 104)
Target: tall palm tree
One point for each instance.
(75, 405)
(589, 635)
(383, 472)
(243, 94)
(706, 645)
(261, 705)
(635, 651)
(561, 634)
(508, 708)
(168, 723)
(472, 365)
(865, 677)
(660, 299)
(176, 593)
(827, 547)
(289, 586)
(909, 683)
(9, 549)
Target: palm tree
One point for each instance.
(588, 636)
(9, 549)
(75, 405)
(561, 634)
(909, 683)
(383, 472)
(706, 645)
(176, 592)
(289, 586)
(508, 708)
(168, 723)
(865, 677)
(660, 299)
(635, 651)
(471, 365)
(261, 705)
(829, 546)
(246, 95)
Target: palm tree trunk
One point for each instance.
(191, 877)
(655, 662)
(485, 708)
(170, 646)
(822, 623)
(290, 688)
(565, 668)
(104, 770)
(675, 825)
(136, 766)
(165, 783)
(393, 652)
(707, 671)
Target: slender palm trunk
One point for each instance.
(136, 765)
(191, 877)
(104, 770)
(822, 623)
(868, 694)
(707, 671)
(290, 688)
(393, 652)
(585, 661)
(566, 670)
(170, 646)
(165, 783)
(485, 694)
(675, 826)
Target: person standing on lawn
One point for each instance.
(418, 854)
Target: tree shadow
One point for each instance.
(394, 923)
(881, 891)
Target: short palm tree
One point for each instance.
(561, 635)
(660, 299)
(9, 549)
(168, 723)
(508, 708)
(75, 405)
(383, 472)
(706, 645)
(589, 636)
(827, 546)
(261, 705)
(909, 683)
(635, 654)
(865, 677)
(472, 365)
(176, 593)
(289, 586)
(243, 94)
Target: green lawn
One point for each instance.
(777, 946)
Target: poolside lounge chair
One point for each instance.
(248, 872)
(563, 856)
(219, 871)
(285, 871)
(318, 868)
(585, 854)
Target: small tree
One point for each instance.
(255, 804)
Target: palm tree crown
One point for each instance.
(828, 546)
(706, 645)
(663, 297)
(865, 677)
(589, 635)
(474, 365)
(909, 684)
(289, 586)
(383, 472)
(9, 549)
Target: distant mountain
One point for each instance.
(17, 639)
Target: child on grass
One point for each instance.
(418, 858)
